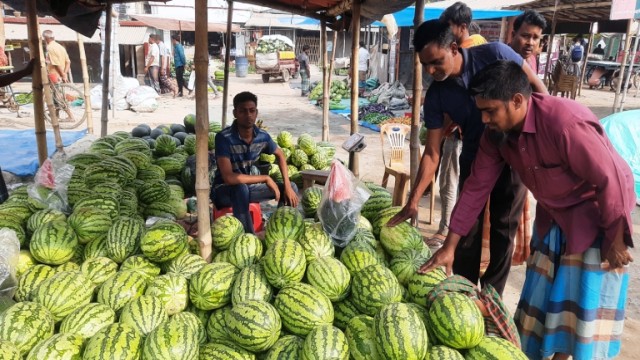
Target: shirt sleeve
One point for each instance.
(223, 147)
(505, 52)
(432, 111)
(484, 173)
(271, 145)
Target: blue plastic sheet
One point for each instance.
(623, 129)
(19, 151)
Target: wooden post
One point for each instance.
(627, 77)
(48, 98)
(38, 98)
(201, 62)
(325, 82)
(85, 80)
(584, 63)
(625, 56)
(106, 63)
(227, 52)
(503, 30)
(547, 67)
(355, 79)
(414, 144)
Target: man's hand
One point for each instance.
(290, 196)
(443, 257)
(618, 254)
(65, 78)
(407, 212)
(274, 187)
(163, 72)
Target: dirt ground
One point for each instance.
(282, 108)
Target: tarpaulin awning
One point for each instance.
(405, 16)
(181, 25)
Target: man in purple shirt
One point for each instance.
(573, 299)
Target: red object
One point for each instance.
(254, 210)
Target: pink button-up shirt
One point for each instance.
(565, 159)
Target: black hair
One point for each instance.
(433, 31)
(306, 47)
(458, 13)
(500, 81)
(530, 17)
(244, 97)
(474, 28)
(176, 38)
(361, 43)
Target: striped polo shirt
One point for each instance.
(242, 154)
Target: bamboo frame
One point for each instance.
(414, 143)
(354, 163)
(106, 64)
(38, 96)
(85, 81)
(627, 46)
(227, 53)
(325, 82)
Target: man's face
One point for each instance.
(438, 61)
(151, 40)
(245, 114)
(526, 40)
(497, 114)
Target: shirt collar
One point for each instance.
(234, 128)
(467, 66)
(530, 119)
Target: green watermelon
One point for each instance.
(299, 158)
(344, 311)
(361, 336)
(189, 122)
(311, 200)
(325, 342)
(99, 269)
(383, 218)
(138, 158)
(96, 248)
(373, 288)
(132, 144)
(316, 243)
(88, 320)
(210, 288)
(25, 262)
(319, 160)
(245, 250)
(400, 237)
(68, 266)
(400, 334)
(407, 262)
(357, 256)
(494, 348)
(226, 351)
(194, 323)
(89, 224)
(456, 320)
(111, 189)
(365, 236)
(164, 241)
(165, 145)
(377, 202)
(63, 293)
(285, 223)
(285, 140)
(224, 230)
(121, 288)
(151, 173)
(104, 202)
(284, 263)
(115, 341)
(8, 351)
(82, 160)
(251, 284)
(53, 243)
(25, 324)
(307, 144)
(419, 285)
(185, 265)
(190, 144)
(288, 347)
(31, 279)
(171, 340)
(123, 238)
(255, 325)
(144, 314)
(216, 326)
(330, 276)
(444, 352)
(58, 347)
(154, 191)
(42, 217)
(172, 290)
(141, 265)
(172, 165)
(303, 307)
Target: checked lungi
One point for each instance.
(570, 304)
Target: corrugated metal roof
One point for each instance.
(126, 35)
(181, 25)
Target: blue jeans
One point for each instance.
(239, 196)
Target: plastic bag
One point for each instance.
(149, 105)
(49, 189)
(9, 254)
(140, 94)
(342, 199)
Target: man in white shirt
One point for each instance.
(363, 66)
(152, 63)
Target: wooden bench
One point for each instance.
(310, 177)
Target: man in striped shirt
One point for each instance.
(238, 147)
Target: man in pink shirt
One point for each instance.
(574, 295)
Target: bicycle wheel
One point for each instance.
(68, 102)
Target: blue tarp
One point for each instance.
(19, 151)
(623, 129)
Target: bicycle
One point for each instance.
(68, 102)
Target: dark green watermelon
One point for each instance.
(155, 133)
(190, 123)
(180, 136)
(140, 131)
(165, 129)
(176, 128)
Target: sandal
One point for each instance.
(435, 241)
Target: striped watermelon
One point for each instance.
(216, 326)
(311, 200)
(226, 351)
(139, 159)
(151, 173)
(357, 256)
(288, 347)
(185, 265)
(8, 351)
(154, 191)
(255, 325)
(325, 342)
(106, 188)
(25, 262)
(303, 307)
(444, 352)
(210, 288)
(99, 269)
(78, 254)
(316, 243)
(494, 348)
(165, 145)
(222, 256)
(307, 144)
(344, 311)
(42, 217)
(171, 340)
(144, 314)
(400, 334)
(284, 263)
(8, 221)
(82, 160)
(121, 288)
(202, 315)
(299, 157)
(383, 218)
(456, 321)
(99, 201)
(319, 160)
(365, 236)
(373, 288)
(63, 293)
(365, 224)
(89, 223)
(285, 223)
(115, 341)
(123, 238)
(68, 266)
(194, 323)
(141, 265)
(419, 285)
(400, 237)
(31, 279)
(330, 276)
(172, 290)
(88, 320)
(58, 347)
(224, 229)
(361, 337)
(407, 262)
(251, 284)
(25, 324)
(164, 241)
(245, 250)
(132, 144)
(53, 243)
(96, 248)
(377, 202)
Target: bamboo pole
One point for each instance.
(201, 62)
(106, 63)
(112, 50)
(414, 144)
(584, 63)
(627, 46)
(48, 98)
(38, 97)
(355, 79)
(227, 53)
(547, 67)
(631, 66)
(85, 80)
(325, 82)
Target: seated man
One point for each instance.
(238, 148)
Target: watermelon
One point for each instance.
(222, 256)
(251, 284)
(8, 221)
(224, 230)
(399, 332)
(103, 173)
(311, 200)
(42, 217)
(377, 202)
(444, 352)
(330, 276)
(87, 320)
(154, 191)
(111, 189)
(115, 341)
(307, 144)
(132, 144)
(99, 269)
(141, 265)
(344, 311)
(255, 325)
(138, 158)
(194, 324)
(31, 279)
(216, 326)
(365, 236)
(285, 223)
(172, 290)
(357, 256)
(284, 263)
(319, 160)
(373, 288)
(144, 314)
(171, 340)
(288, 347)
(494, 348)
(82, 160)
(53, 243)
(121, 288)
(407, 262)
(25, 324)
(8, 351)
(361, 337)
(190, 144)
(400, 237)
(58, 347)
(325, 342)
(96, 248)
(172, 165)
(316, 243)
(456, 320)
(123, 238)
(89, 224)
(224, 351)
(25, 262)
(285, 140)
(383, 218)
(165, 145)
(202, 315)
(68, 266)
(211, 142)
(164, 241)
(151, 173)
(63, 293)
(419, 285)
(189, 122)
(245, 250)
(303, 307)
(185, 265)
(210, 288)
(104, 202)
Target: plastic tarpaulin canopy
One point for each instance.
(19, 151)
(623, 129)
